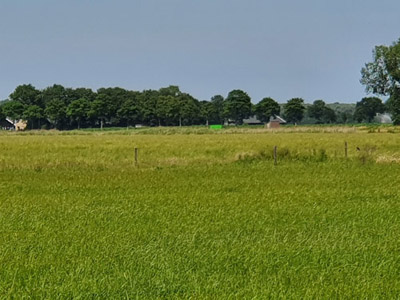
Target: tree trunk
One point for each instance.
(180, 121)
(101, 124)
(207, 122)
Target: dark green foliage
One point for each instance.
(382, 76)
(267, 108)
(367, 109)
(218, 104)
(33, 113)
(148, 107)
(321, 113)
(69, 108)
(129, 111)
(13, 109)
(26, 94)
(78, 110)
(237, 106)
(56, 112)
(207, 111)
(2, 114)
(294, 110)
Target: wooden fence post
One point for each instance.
(345, 149)
(275, 155)
(136, 156)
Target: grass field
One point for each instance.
(204, 214)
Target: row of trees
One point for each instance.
(67, 108)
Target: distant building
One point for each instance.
(275, 122)
(17, 125)
(6, 125)
(252, 121)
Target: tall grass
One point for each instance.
(203, 216)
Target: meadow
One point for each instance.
(203, 215)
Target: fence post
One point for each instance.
(136, 156)
(345, 149)
(275, 156)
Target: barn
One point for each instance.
(275, 122)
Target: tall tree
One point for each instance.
(207, 111)
(55, 91)
(167, 109)
(147, 101)
(294, 110)
(78, 110)
(26, 94)
(129, 111)
(267, 108)
(321, 113)
(367, 109)
(13, 110)
(237, 106)
(188, 109)
(33, 113)
(56, 112)
(218, 104)
(316, 110)
(382, 75)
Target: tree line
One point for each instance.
(68, 108)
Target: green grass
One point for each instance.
(202, 216)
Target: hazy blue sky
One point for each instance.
(310, 48)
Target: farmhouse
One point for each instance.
(6, 125)
(253, 120)
(275, 122)
(14, 125)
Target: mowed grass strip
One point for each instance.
(79, 220)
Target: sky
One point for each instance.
(313, 49)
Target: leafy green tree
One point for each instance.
(147, 102)
(329, 115)
(167, 109)
(56, 112)
(218, 104)
(33, 113)
(367, 109)
(345, 117)
(188, 109)
(237, 106)
(316, 110)
(78, 93)
(78, 110)
(207, 111)
(101, 109)
(55, 91)
(172, 90)
(294, 110)
(321, 113)
(13, 110)
(382, 75)
(267, 108)
(129, 111)
(113, 97)
(26, 94)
